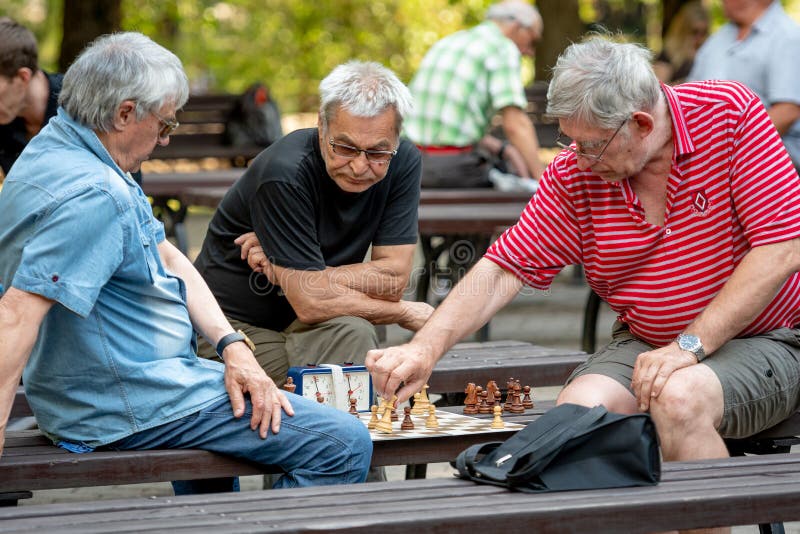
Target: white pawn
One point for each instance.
(497, 422)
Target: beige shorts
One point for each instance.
(760, 375)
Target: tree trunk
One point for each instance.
(83, 21)
(562, 26)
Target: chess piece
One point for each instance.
(527, 402)
(407, 423)
(497, 396)
(352, 409)
(431, 421)
(471, 400)
(417, 409)
(484, 407)
(497, 422)
(393, 408)
(374, 419)
(516, 402)
(290, 386)
(509, 394)
(491, 387)
(384, 426)
(421, 402)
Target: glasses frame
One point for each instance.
(358, 151)
(579, 153)
(168, 126)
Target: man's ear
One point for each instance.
(645, 123)
(125, 115)
(25, 74)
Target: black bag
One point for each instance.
(570, 447)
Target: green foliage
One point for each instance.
(291, 45)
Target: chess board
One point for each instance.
(450, 424)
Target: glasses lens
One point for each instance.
(345, 150)
(378, 156)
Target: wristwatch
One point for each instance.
(692, 343)
(233, 338)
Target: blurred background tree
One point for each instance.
(291, 44)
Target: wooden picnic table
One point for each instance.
(708, 493)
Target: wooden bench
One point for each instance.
(735, 491)
(30, 461)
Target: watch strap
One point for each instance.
(233, 337)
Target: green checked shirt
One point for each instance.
(463, 80)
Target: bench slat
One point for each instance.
(757, 494)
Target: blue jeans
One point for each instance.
(317, 446)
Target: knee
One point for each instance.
(356, 333)
(358, 450)
(681, 404)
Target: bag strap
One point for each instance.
(465, 461)
(546, 449)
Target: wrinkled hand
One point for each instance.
(244, 375)
(415, 314)
(253, 253)
(408, 364)
(653, 369)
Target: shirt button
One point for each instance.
(668, 231)
(54, 278)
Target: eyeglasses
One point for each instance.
(565, 143)
(167, 126)
(350, 152)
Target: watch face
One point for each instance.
(689, 342)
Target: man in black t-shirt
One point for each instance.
(284, 253)
(28, 95)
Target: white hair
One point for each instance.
(601, 83)
(515, 10)
(118, 67)
(364, 89)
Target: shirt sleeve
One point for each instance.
(545, 239)
(74, 250)
(505, 79)
(297, 245)
(764, 183)
(783, 84)
(399, 224)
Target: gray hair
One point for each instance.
(119, 67)
(601, 83)
(364, 89)
(515, 10)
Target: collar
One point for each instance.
(680, 134)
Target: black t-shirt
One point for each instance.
(304, 222)
(14, 135)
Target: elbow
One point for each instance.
(309, 312)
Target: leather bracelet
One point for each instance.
(233, 337)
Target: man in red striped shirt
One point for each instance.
(682, 205)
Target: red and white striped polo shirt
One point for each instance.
(732, 187)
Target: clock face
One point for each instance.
(358, 387)
(353, 382)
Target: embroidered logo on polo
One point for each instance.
(699, 201)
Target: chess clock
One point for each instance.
(335, 384)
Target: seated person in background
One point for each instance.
(102, 308)
(254, 120)
(463, 81)
(690, 232)
(28, 95)
(687, 31)
(751, 48)
(310, 206)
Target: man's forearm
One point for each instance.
(751, 287)
(374, 279)
(484, 290)
(521, 133)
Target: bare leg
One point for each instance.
(591, 390)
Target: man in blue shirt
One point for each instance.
(103, 309)
(754, 48)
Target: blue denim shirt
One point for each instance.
(115, 354)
